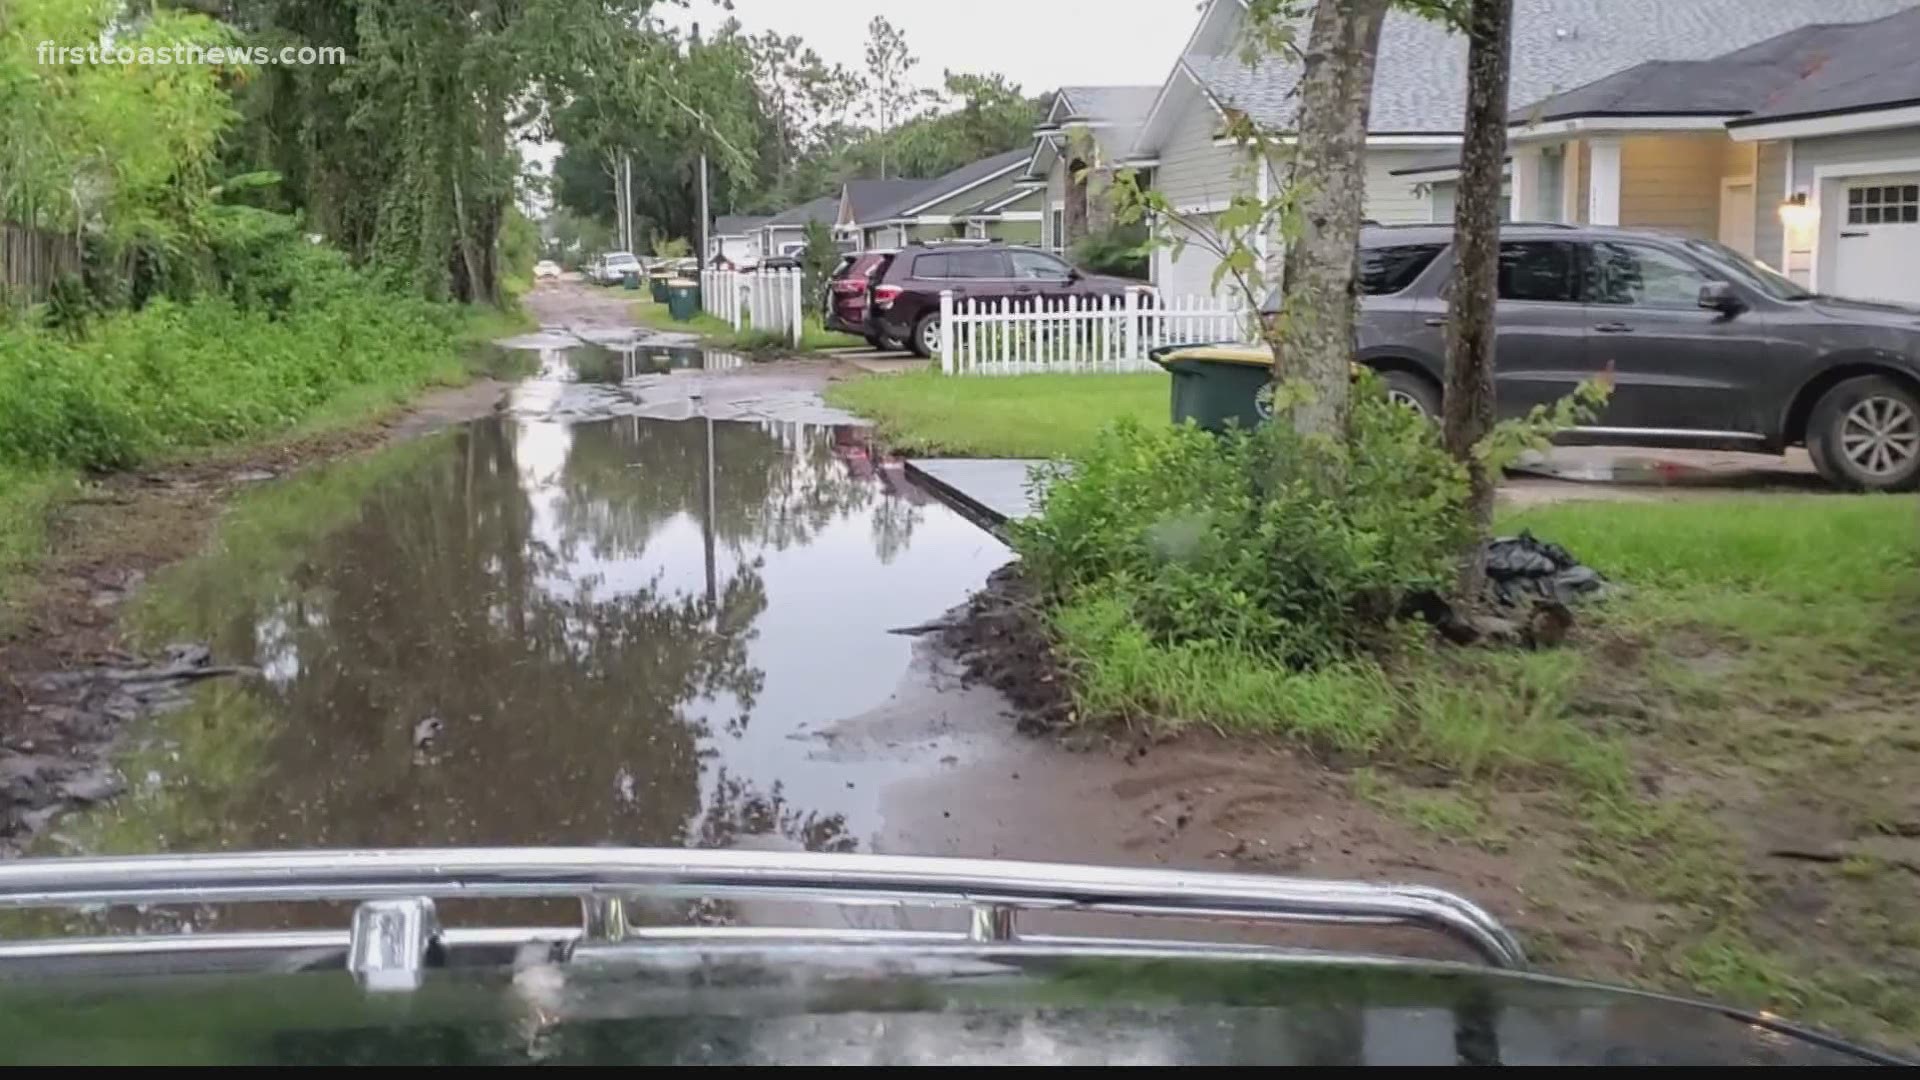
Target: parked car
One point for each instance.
(546, 268)
(905, 297)
(611, 267)
(1707, 347)
(845, 305)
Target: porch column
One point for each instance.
(1526, 183)
(1603, 183)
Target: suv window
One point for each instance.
(1537, 270)
(1033, 266)
(976, 264)
(1388, 270)
(930, 266)
(1641, 276)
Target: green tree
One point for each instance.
(888, 94)
(126, 155)
(983, 115)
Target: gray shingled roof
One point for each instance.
(1730, 85)
(1878, 66)
(736, 224)
(1122, 108)
(941, 186)
(868, 197)
(823, 209)
(1420, 84)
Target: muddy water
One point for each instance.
(567, 623)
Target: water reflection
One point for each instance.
(533, 632)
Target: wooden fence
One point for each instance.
(31, 260)
(1084, 333)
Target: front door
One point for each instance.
(1737, 215)
(1879, 232)
(1677, 367)
(1540, 352)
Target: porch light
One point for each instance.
(1798, 214)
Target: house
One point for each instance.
(735, 239)
(974, 199)
(1420, 99)
(862, 205)
(1802, 150)
(1083, 140)
(785, 233)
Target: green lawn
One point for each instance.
(1026, 416)
(718, 334)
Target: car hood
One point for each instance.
(1882, 313)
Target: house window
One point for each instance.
(1889, 204)
(1058, 219)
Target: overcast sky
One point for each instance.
(1040, 44)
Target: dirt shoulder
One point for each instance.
(1763, 851)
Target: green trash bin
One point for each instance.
(658, 284)
(683, 299)
(630, 280)
(1217, 385)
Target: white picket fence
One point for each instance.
(1082, 333)
(765, 300)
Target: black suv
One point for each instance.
(1708, 348)
(905, 299)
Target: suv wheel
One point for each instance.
(1412, 391)
(926, 335)
(1865, 434)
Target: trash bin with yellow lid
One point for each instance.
(683, 299)
(1217, 386)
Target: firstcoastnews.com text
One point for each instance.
(51, 53)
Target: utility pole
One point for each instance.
(704, 219)
(627, 181)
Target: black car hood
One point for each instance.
(703, 1004)
(1876, 311)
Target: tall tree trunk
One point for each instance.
(1469, 401)
(1329, 170)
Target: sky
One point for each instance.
(1039, 44)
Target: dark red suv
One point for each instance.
(847, 295)
(905, 304)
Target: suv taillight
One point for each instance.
(885, 295)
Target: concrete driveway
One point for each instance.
(1567, 473)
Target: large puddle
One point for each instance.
(568, 623)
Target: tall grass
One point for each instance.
(174, 377)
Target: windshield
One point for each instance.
(1749, 271)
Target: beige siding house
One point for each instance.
(1800, 150)
(1686, 174)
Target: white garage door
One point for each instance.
(1189, 275)
(1879, 253)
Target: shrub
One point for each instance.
(300, 331)
(1121, 250)
(1295, 550)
